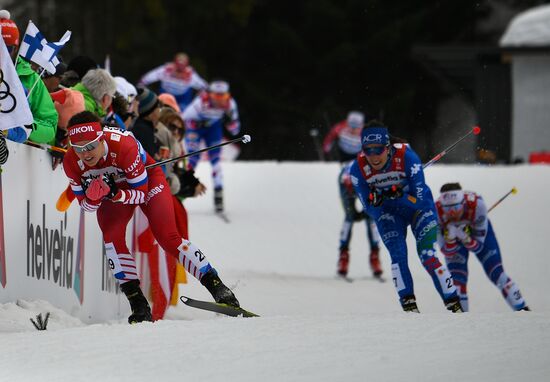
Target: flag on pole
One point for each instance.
(35, 48)
(14, 108)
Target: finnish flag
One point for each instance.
(35, 48)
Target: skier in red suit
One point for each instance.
(106, 171)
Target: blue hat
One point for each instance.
(376, 135)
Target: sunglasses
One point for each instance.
(374, 150)
(453, 210)
(88, 146)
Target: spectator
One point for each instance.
(145, 125)
(98, 89)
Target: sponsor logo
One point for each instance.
(115, 137)
(50, 251)
(372, 138)
(426, 229)
(154, 191)
(424, 216)
(81, 129)
(387, 217)
(389, 235)
(109, 284)
(134, 165)
(415, 169)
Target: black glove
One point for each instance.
(109, 179)
(188, 182)
(395, 192)
(85, 183)
(375, 198)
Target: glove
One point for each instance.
(375, 198)
(109, 179)
(463, 233)
(449, 233)
(188, 183)
(97, 190)
(395, 192)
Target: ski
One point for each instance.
(223, 216)
(215, 307)
(345, 278)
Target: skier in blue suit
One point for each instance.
(389, 180)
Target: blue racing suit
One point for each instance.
(409, 203)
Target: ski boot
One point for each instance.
(141, 311)
(343, 262)
(453, 304)
(221, 293)
(374, 260)
(408, 303)
(218, 200)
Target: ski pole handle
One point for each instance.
(475, 130)
(512, 191)
(244, 139)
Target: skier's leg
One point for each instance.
(374, 242)
(346, 231)
(160, 212)
(213, 136)
(192, 143)
(424, 227)
(113, 219)
(458, 266)
(491, 261)
(393, 231)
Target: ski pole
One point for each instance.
(45, 147)
(315, 136)
(243, 139)
(512, 191)
(475, 130)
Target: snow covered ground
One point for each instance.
(279, 254)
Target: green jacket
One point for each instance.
(89, 102)
(40, 102)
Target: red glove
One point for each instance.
(97, 190)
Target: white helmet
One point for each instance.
(218, 87)
(355, 119)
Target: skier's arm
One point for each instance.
(86, 204)
(233, 125)
(191, 114)
(362, 190)
(197, 82)
(418, 194)
(473, 236)
(152, 76)
(331, 137)
(136, 177)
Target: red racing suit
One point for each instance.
(125, 161)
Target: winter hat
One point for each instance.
(218, 86)
(148, 101)
(67, 102)
(375, 135)
(170, 101)
(81, 65)
(355, 119)
(125, 89)
(10, 32)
